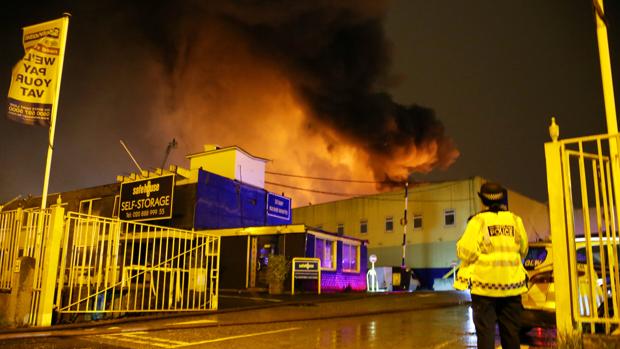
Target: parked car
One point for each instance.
(539, 300)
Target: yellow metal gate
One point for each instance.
(582, 175)
(23, 233)
(114, 267)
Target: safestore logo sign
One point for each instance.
(147, 199)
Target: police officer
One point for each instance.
(491, 250)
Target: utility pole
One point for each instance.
(404, 223)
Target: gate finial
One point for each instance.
(554, 130)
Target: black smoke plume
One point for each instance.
(335, 55)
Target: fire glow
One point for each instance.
(299, 87)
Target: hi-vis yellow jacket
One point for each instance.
(491, 250)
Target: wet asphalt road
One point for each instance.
(408, 320)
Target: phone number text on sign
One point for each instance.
(145, 213)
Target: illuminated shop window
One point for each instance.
(449, 217)
(417, 221)
(350, 257)
(389, 224)
(325, 250)
(364, 226)
(340, 229)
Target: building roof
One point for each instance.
(279, 229)
(212, 149)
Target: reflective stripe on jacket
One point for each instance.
(492, 248)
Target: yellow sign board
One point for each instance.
(36, 77)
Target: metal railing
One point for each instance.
(582, 198)
(23, 233)
(113, 266)
(10, 227)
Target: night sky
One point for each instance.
(470, 85)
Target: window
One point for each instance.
(364, 226)
(582, 256)
(90, 206)
(350, 257)
(389, 224)
(536, 255)
(448, 217)
(417, 221)
(117, 206)
(325, 250)
(340, 228)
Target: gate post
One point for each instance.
(50, 270)
(18, 311)
(557, 223)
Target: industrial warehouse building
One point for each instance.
(436, 218)
(208, 195)
(221, 194)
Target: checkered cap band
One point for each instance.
(492, 193)
(493, 196)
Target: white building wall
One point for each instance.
(249, 170)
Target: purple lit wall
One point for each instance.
(339, 280)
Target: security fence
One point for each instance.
(113, 266)
(82, 264)
(23, 233)
(582, 175)
(9, 246)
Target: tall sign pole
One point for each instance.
(50, 146)
(606, 75)
(608, 93)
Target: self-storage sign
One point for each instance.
(147, 199)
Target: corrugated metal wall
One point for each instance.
(223, 203)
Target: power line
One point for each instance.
(416, 185)
(330, 179)
(315, 191)
(417, 200)
(367, 196)
(349, 195)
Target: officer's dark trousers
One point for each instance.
(506, 311)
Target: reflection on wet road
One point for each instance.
(365, 324)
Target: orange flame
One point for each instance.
(226, 95)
